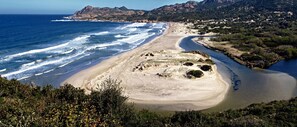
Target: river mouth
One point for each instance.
(247, 86)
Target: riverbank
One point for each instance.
(148, 85)
(249, 85)
(254, 58)
(224, 47)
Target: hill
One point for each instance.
(124, 14)
(245, 8)
(192, 10)
(264, 30)
(113, 14)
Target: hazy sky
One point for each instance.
(70, 6)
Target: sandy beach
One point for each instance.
(155, 74)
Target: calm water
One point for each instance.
(44, 50)
(287, 66)
(250, 86)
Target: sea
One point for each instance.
(47, 49)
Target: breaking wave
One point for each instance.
(45, 60)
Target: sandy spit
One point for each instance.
(145, 86)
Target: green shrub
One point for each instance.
(251, 57)
(209, 61)
(195, 74)
(206, 68)
(188, 64)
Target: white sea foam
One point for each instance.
(28, 64)
(25, 77)
(101, 46)
(132, 29)
(134, 38)
(119, 50)
(68, 51)
(2, 70)
(139, 42)
(38, 61)
(39, 65)
(38, 74)
(82, 49)
(73, 60)
(119, 36)
(63, 20)
(60, 62)
(65, 64)
(38, 50)
(29, 68)
(98, 47)
(80, 38)
(46, 63)
(159, 26)
(101, 33)
(58, 48)
(136, 25)
(127, 39)
(50, 56)
(48, 71)
(133, 25)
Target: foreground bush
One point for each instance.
(27, 105)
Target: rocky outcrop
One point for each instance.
(96, 13)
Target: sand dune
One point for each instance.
(155, 75)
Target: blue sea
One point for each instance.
(45, 49)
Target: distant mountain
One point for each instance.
(190, 6)
(206, 4)
(246, 8)
(117, 13)
(193, 6)
(219, 1)
(191, 10)
(269, 5)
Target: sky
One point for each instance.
(70, 6)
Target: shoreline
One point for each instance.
(207, 43)
(210, 91)
(72, 79)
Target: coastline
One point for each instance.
(210, 91)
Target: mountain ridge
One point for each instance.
(106, 13)
(191, 9)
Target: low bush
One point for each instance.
(188, 64)
(206, 68)
(209, 61)
(195, 74)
